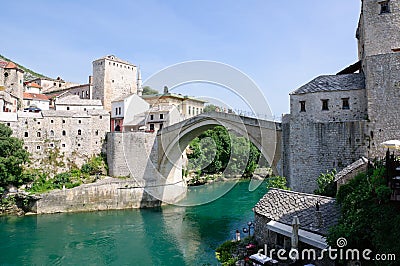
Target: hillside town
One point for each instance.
(337, 169)
(50, 114)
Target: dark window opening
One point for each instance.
(26, 134)
(64, 133)
(79, 132)
(63, 145)
(67, 107)
(151, 126)
(302, 106)
(345, 104)
(325, 106)
(161, 116)
(151, 117)
(385, 7)
(38, 147)
(5, 74)
(38, 134)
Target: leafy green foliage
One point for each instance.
(95, 165)
(149, 91)
(12, 158)
(224, 252)
(277, 182)
(210, 108)
(216, 151)
(368, 219)
(326, 184)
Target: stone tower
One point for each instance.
(14, 80)
(113, 78)
(378, 37)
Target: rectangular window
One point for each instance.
(302, 106)
(119, 110)
(385, 7)
(345, 104)
(325, 106)
(116, 111)
(151, 117)
(161, 116)
(151, 126)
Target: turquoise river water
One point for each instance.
(169, 235)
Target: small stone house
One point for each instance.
(274, 215)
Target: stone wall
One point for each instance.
(357, 106)
(76, 136)
(378, 33)
(107, 194)
(313, 148)
(113, 78)
(383, 92)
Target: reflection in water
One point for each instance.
(169, 235)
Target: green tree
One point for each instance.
(368, 220)
(216, 150)
(326, 184)
(12, 158)
(149, 91)
(210, 108)
(277, 182)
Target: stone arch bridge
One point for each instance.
(155, 160)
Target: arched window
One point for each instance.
(51, 133)
(79, 132)
(38, 134)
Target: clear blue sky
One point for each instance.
(280, 44)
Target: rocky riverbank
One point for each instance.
(193, 179)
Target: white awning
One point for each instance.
(309, 238)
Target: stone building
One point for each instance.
(75, 135)
(112, 79)
(12, 86)
(73, 102)
(336, 119)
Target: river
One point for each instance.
(169, 235)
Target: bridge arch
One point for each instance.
(173, 140)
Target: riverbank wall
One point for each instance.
(106, 194)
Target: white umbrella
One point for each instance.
(391, 144)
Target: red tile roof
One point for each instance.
(32, 84)
(35, 96)
(11, 65)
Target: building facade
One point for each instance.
(112, 79)
(334, 120)
(74, 135)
